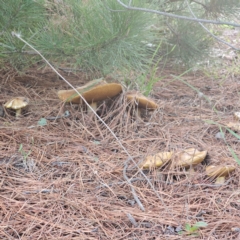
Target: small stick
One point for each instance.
(130, 184)
(172, 184)
(132, 220)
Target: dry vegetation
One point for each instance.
(68, 183)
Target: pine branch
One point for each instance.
(177, 16)
(218, 39)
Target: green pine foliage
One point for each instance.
(91, 35)
(97, 35)
(102, 36)
(23, 16)
(220, 7)
(189, 39)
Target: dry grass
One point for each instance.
(71, 185)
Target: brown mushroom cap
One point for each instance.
(93, 91)
(219, 171)
(141, 101)
(17, 103)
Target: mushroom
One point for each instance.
(235, 126)
(156, 160)
(219, 172)
(237, 116)
(17, 104)
(188, 158)
(94, 91)
(141, 102)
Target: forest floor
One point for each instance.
(65, 180)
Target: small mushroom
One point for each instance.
(141, 102)
(17, 104)
(156, 160)
(237, 116)
(219, 172)
(94, 91)
(235, 126)
(188, 158)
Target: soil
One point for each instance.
(66, 180)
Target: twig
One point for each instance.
(132, 220)
(130, 184)
(204, 6)
(41, 191)
(176, 16)
(220, 40)
(66, 114)
(68, 69)
(168, 183)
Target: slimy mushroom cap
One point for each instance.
(219, 171)
(93, 91)
(189, 157)
(141, 101)
(156, 160)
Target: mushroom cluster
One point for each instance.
(98, 90)
(183, 159)
(187, 159)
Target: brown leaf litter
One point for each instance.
(68, 183)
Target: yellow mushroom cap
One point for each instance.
(93, 91)
(219, 171)
(141, 101)
(17, 103)
(156, 160)
(189, 157)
